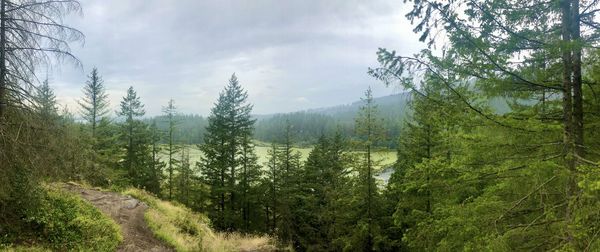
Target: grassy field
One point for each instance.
(384, 157)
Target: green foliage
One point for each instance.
(186, 230)
(94, 104)
(66, 222)
(227, 150)
(322, 197)
(308, 126)
(46, 102)
(136, 139)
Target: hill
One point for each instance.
(308, 125)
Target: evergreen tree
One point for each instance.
(184, 177)
(46, 102)
(135, 140)
(230, 125)
(156, 165)
(517, 175)
(369, 132)
(170, 112)
(250, 176)
(272, 182)
(323, 183)
(94, 104)
(282, 197)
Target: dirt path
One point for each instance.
(127, 212)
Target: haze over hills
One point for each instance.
(307, 125)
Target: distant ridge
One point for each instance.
(309, 124)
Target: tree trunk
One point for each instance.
(577, 81)
(3, 72)
(568, 125)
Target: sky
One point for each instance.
(289, 55)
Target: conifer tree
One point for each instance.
(534, 150)
(184, 177)
(250, 176)
(94, 104)
(369, 132)
(170, 112)
(46, 101)
(281, 195)
(156, 165)
(230, 125)
(272, 182)
(135, 139)
(324, 181)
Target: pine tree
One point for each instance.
(170, 112)
(272, 199)
(288, 168)
(135, 138)
(184, 177)
(94, 104)
(46, 102)
(156, 165)
(323, 183)
(250, 176)
(535, 150)
(230, 124)
(369, 132)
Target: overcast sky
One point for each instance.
(288, 55)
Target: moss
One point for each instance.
(63, 221)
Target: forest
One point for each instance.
(494, 141)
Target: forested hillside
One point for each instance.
(308, 125)
(495, 138)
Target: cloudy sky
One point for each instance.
(289, 55)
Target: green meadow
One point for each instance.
(384, 158)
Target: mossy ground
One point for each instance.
(64, 222)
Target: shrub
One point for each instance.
(67, 222)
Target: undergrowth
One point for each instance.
(186, 230)
(64, 222)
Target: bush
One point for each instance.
(67, 222)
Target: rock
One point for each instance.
(130, 203)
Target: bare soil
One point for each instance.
(128, 212)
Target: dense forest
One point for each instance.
(306, 126)
(495, 139)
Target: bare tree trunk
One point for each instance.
(3, 73)
(577, 121)
(568, 139)
(577, 82)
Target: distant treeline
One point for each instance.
(190, 128)
(306, 126)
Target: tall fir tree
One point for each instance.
(230, 125)
(250, 176)
(321, 213)
(170, 112)
(156, 165)
(46, 102)
(135, 140)
(369, 132)
(94, 104)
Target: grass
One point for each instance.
(386, 157)
(65, 222)
(186, 230)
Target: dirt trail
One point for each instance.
(128, 213)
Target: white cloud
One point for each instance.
(280, 50)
